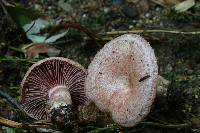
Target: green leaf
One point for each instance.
(22, 15)
(9, 130)
(104, 130)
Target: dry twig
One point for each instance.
(18, 60)
(77, 26)
(153, 31)
(13, 124)
(159, 125)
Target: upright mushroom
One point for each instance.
(52, 88)
(122, 79)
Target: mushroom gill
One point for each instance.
(52, 88)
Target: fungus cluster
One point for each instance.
(52, 88)
(121, 80)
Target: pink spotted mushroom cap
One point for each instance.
(56, 81)
(122, 79)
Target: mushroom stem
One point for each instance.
(59, 96)
(60, 105)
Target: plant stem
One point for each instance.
(13, 124)
(15, 49)
(152, 31)
(159, 125)
(17, 59)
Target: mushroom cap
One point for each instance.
(122, 79)
(47, 74)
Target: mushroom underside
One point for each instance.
(46, 75)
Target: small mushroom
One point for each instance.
(52, 88)
(122, 79)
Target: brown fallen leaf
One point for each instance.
(33, 50)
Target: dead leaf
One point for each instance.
(166, 2)
(185, 5)
(132, 1)
(33, 50)
(34, 28)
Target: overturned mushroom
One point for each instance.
(52, 88)
(122, 79)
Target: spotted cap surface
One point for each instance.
(47, 74)
(122, 79)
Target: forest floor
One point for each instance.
(178, 54)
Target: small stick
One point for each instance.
(152, 31)
(13, 124)
(159, 125)
(30, 27)
(10, 123)
(17, 59)
(159, 3)
(75, 26)
(144, 78)
(15, 49)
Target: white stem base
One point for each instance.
(59, 96)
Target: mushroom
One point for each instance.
(122, 79)
(52, 88)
